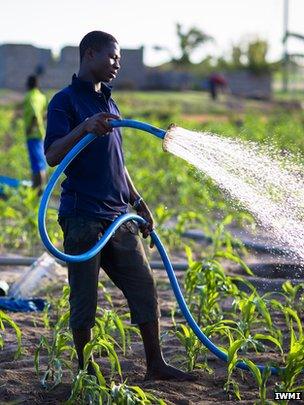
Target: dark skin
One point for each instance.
(96, 67)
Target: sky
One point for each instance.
(57, 23)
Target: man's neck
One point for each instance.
(88, 77)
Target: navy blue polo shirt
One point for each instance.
(95, 183)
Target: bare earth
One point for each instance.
(19, 382)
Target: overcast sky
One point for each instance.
(54, 24)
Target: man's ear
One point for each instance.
(89, 53)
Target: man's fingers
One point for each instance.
(109, 115)
(145, 231)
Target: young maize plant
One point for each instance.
(294, 363)
(196, 352)
(109, 324)
(292, 294)
(7, 320)
(253, 311)
(88, 389)
(232, 386)
(58, 348)
(102, 346)
(94, 389)
(194, 348)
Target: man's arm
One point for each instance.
(97, 124)
(134, 194)
(141, 208)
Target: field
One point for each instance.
(250, 303)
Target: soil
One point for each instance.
(20, 384)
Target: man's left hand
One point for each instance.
(144, 212)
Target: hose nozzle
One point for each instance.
(168, 136)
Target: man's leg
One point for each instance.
(38, 163)
(81, 337)
(81, 234)
(157, 368)
(125, 262)
(38, 180)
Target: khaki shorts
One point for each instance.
(123, 259)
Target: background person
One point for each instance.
(216, 81)
(34, 108)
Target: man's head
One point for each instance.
(31, 82)
(100, 54)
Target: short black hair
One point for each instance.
(32, 82)
(95, 40)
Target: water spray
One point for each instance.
(165, 136)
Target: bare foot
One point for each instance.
(166, 372)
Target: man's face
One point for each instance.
(106, 63)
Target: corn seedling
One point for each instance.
(101, 345)
(110, 323)
(292, 294)
(293, 367)
(231, 385)
(194, 348)
(123, 394)
(88, 389)
(7, 320)
(261, 379)
(57, 349)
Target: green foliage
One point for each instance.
(56, 348)
(256, 53)
(19, 220)
(251, 56)
(189, 41)
(193, 347)
(93, 390)
(6, 320)
(180, 198)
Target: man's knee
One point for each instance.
(82, 311)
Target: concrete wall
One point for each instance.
(133, 72)
(249, 85)
(17, 62)
(169, 80)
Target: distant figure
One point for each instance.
(216, 81)
(34, 108)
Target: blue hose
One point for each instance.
(160, 133)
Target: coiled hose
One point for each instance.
(160, 133)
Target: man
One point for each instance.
(98, 189)
(34, 107)
(216, 81)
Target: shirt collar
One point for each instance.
(88, 86)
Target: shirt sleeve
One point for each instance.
(59, 119)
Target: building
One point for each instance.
(18, 61)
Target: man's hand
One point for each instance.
(143, 211)
(98, 124)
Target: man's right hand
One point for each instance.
(98, 124)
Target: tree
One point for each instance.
(189, 41)
(256, 54)
(236, 55)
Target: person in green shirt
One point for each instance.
(34, 108)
